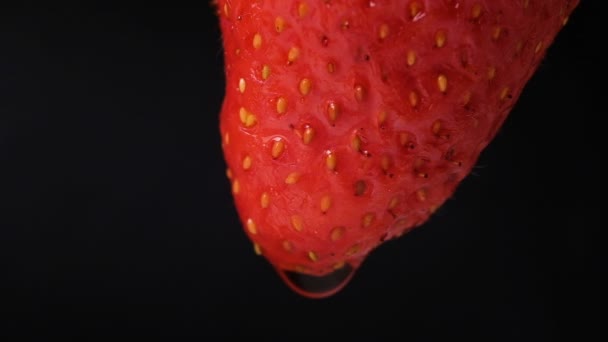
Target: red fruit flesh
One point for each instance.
(347, 123)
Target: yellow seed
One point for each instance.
(293, 54)
(281, 105)
(331, 67)
(226, 138)
(257, 249)
(303, 9)
(393, 203)
(496, 32)
(296, 223)
(354, 249)
(242, 85)
(359, 93)
(247, 163)
(491, 72)
(421, 195)
(339, 265)
(504, 93)
(292, 178)
(279, 24)
(411, 58)
(237, 52)
(228, 173)
(332, 112)
(226, 10)
(476, 11)
(367, 220)
(287, 246)
(440, 38)
(436, 127)
(565, 21)
(243, 115)
(236, 187)
(383, 32)
(415, 9)
(312, 256)
(418, 163)
(442, 83)
(413, 98)
(325, 203)
(251, 226)
(539, 46)
(385, 163)
(308, 134)
(466, 97)
(305, 86)
(330, 160)
(264, 200)
(278, 146)
(337, 233)
(257, 41)
(265, 72)
(356, 143)
(251, 120)
(382, 115)
(400, 225)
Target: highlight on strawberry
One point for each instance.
(347, 123)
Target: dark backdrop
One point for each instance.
(116, 217)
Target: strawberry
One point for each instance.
(348, 123)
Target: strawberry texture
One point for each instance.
(349, 123)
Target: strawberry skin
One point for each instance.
(348, 123)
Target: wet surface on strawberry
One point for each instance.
(347, 125)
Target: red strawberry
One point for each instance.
(347, 123)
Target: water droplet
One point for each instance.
(318, 286)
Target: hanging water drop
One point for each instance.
(318, 286)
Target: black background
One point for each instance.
(116, 217)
